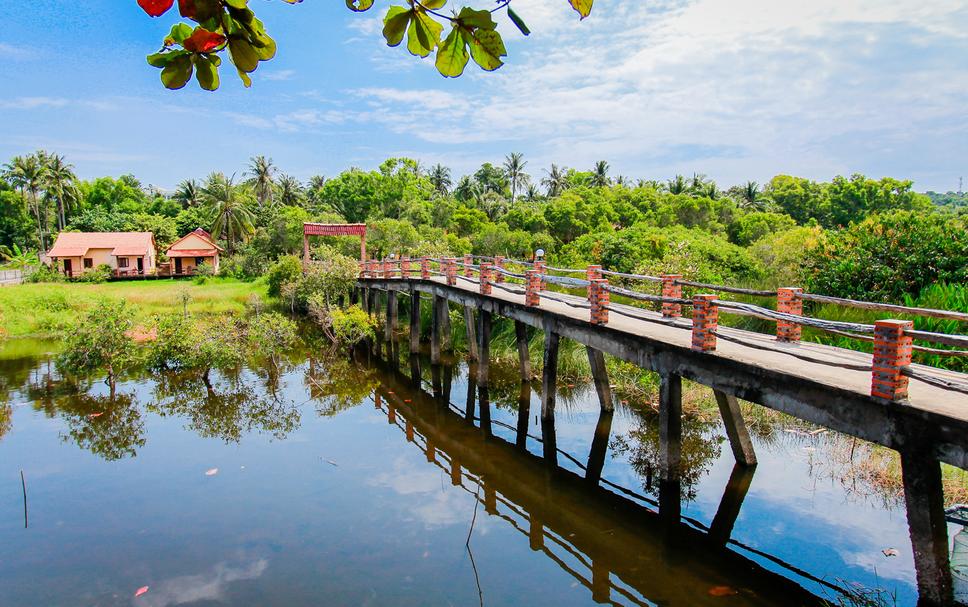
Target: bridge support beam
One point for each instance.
(596, 456)
(437, 328)
(524, 415)
(470, 327)
(391, 319)
(414, 322)
(670, 448)
(737, 487)
(736, 430)
(484, 350)
(549, 381)
(924, 497)
(596, 361)
(524, 354)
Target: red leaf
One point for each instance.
(155, 8)
(140, 591)
(187, 8)
(203, 41)
(722, 591)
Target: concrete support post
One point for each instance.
(596, 456)
(405, 268)
(532, 294)
(499, 265)
(592, 273)
(705, 322)
(736, 430)
(424, 268)
(924, 498)
(788, 302)
(596, 360)
(484, 335)
(730, 505)
(487, 276)
(524, 352)
(524, 415)
(391, 319)
(599, 298)
(468, 270)
(549, 381)
(451, 271)
(892, 352)
(436, 329)
(414, 322)
(471, 327)
(670, 427)
(671, 288)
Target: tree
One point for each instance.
(439, 175)
(231, 27)
(290, 190)
(556, 182)
(600, 178)
(26, 173)
(60, 184)
(99, 341)
(677, 185)
(749, 196)
(514, 171)
(262, 178)
(228, 206)
(188, 193)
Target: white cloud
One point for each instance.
(290, 122)
(279, 75)
(9, 51)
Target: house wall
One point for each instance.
(190, 243)
(188, 263)
(101, 256)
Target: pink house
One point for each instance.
(127, 253)
(192, 250)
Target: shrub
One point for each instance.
(203, 272)
(100, 340)
(287, 269)
(97, 275)
(44, 273)
(185, 344)
(272, 334)
(352, 325)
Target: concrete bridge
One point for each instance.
(922, 412)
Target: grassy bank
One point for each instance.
(44, 310)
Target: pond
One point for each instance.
(352, 481)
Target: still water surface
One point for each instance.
(339, 482)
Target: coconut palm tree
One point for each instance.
(677, 185)
(228, 205)
(290, 190)
(751, 197)
(532, 193)
(26, 173)
(262, 177)
(711, 191)
(439, 176)
(653, 184)
(600, 178)
(556, 182)
(514, 170)
(188, 193)
(60, 184)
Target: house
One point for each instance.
(127, 253)
(191, 251)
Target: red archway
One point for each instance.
(333, 229)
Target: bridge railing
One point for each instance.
(893, 339)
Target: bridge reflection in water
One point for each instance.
(626, 548)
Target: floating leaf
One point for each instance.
(211, 472)
(890, 552)
(140, 591)
(722, 591)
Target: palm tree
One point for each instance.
(677, 185)
(653, 184)
(600, 178)
(60, 184)
(27, 174)
(532, 193)
(698, 183)
(229, 207)
(711, 191)
(465, 189)
(439, 176)
(188, 193)
(556, 182)
(261, 172)
(514, 171)
(750, 196)
(290, 190)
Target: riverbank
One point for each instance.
(45, 310)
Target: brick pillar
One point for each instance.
(498, 263)
(487, 275)
(451, 271)
(671, 289)
(424, 268)
(892, 352)
(788, 301)
(362, 266)
(468, 262)
(532, 294)
(387, 269)
(599, 298)
(592, 273)
(369, 269)
(405, 268)
(705, 322)
(541, 267)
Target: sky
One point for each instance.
(735, 89)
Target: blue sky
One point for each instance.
(739, 89)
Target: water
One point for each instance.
(340, 483)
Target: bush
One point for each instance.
(97, 275)
(100, 340)
(44, 273)
(352, 326)
(287, 269)
(203, 272)
(272, 334)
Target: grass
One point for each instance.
(45, 310)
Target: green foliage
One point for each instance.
(184, 343)
(287, 270)
(44, 273)
(352, 326)
(783, 255)
(99, 341)
(754, 226)
(97, 275)
(271, 335)
(888, 255)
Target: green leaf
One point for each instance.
(207, 73)
(584, 7)
(239, 4)
(359, 5)
(472, 18)
(177, 73)
(395, 24)
(423, 35)
(244, 56)
(179, 32)
(518, 22)
(487, 48)
(246, 81)
(452, 55)
(434, 4)
(159, 59)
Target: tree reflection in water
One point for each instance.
(6, 418)
(337, 383)
(108, 426)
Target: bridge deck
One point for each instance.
(807, 380)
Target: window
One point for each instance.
(88, 263)
(122, 262)
(199, 261)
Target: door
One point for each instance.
(178, 265)
(68, 268)
(141, 265)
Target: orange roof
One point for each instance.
(200, 233)
(77, 244)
